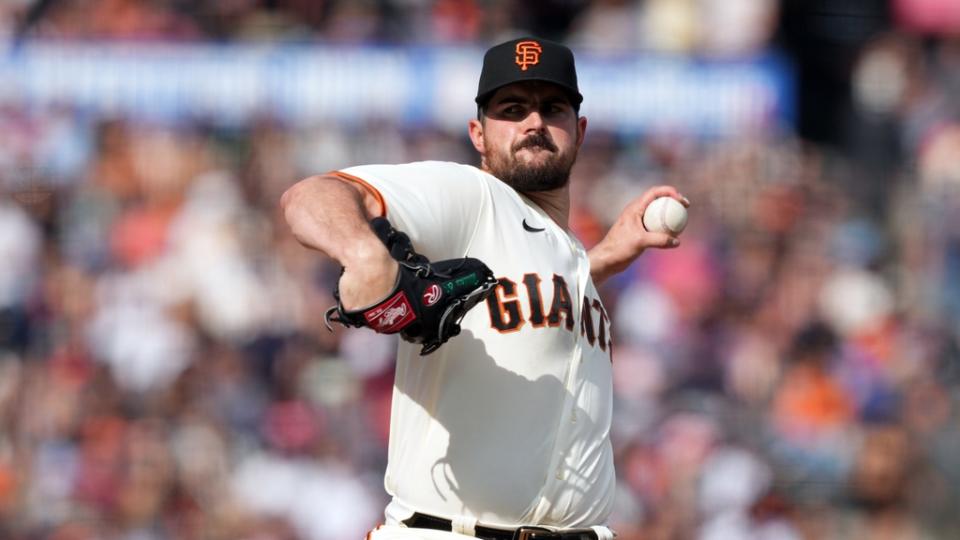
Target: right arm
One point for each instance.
(332, 215)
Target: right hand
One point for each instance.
(628, 238)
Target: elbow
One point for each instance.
(288, 205)
(296, 196)
(290, 197)
(293, 207)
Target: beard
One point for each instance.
(527, 177)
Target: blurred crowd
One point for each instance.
(714, 26)
(792, 371)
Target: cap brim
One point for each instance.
(575, 98)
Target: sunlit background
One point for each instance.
(791, 372)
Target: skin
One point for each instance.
(529, 127)
(330, 215)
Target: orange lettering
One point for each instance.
(586, 322)
(532, 282)
(528, 54)
(505, 313)
(562, 307)
(602, 330)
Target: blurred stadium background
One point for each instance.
(791, 372)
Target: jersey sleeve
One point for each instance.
(438, 204)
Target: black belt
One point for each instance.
(423, 521)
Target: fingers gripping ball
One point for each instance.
(428, 300)
(665, 214)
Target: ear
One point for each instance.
(475, 130)
(581, 130)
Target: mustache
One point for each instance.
(537, 139)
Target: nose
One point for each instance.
(533, 122)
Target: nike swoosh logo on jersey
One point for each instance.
(529, 228)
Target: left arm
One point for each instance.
(627, 238)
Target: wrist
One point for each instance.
(369, 274)
(608, 258)
(367, 251)
(608, 253)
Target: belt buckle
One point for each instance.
(531, 533)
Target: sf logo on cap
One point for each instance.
(528, 54)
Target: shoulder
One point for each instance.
(436, 170)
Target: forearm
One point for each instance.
(332, 216)
(328, 215)
(606, 260)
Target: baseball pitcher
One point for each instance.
(502, 401)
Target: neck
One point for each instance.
(556, 203)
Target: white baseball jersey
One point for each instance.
(509, 422)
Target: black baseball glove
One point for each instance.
(429, 299)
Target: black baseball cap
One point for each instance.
(528, 59)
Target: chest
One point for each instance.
(545, 290)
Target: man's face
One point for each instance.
(528, 136)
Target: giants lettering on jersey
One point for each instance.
(508, 313)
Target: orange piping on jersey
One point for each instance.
(365, 185)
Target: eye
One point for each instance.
(556, 108)
(553, 108)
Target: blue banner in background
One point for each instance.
(306, 85)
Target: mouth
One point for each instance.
(535, 149)
(535, 143)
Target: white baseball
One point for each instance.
(665, 214)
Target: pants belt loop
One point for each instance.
(604, 533)
(464, 525)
